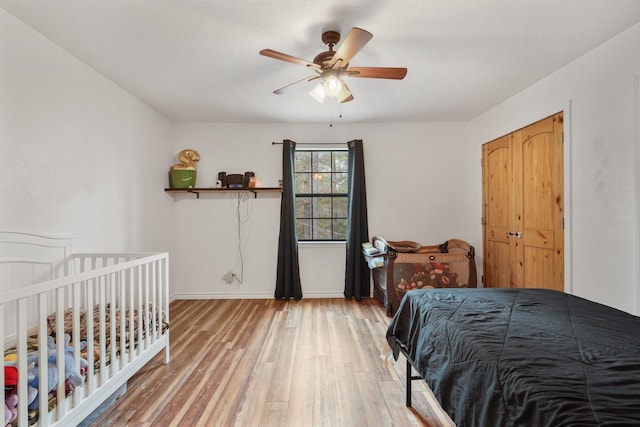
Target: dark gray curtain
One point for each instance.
(357, 275)
(288, 278)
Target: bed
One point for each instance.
(508, 357)
(113, 307)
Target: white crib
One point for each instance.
(120, 303)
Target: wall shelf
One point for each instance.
(198, 191)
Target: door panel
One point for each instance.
(539, 267)
(538, 238)
(530, 163)
(537, 181)
(497, 210)
(495, 273)
(498, 160)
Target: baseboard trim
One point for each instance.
(248, 295)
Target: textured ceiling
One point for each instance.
(197, 60)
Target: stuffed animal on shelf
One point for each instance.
(183, 174)
(72, 377)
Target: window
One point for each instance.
(322, 189)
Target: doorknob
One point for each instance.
(515, 234)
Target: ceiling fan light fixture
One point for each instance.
(318, 93)
(332, 66)
(332, 86)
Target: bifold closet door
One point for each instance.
(523, 207)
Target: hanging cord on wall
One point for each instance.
(242, 217)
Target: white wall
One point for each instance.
(599, 95)
(417, 181)
(80, 156)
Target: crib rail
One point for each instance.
(117, 303)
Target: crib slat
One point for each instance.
(154, 270)
(147, 335)
(165, 287)
(60, 341)
(113, 341)
(102, 330)
(76, 288)
(140, 312)
(122, 305)
(132, 317)
(21, 344)
(91, 384)
(43, 390)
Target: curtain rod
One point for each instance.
(312, 143)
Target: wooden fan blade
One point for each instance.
(351, 45)
(345, 94)
(287, 58)
(377, 72)
(295, 85)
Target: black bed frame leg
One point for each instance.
(410, 378)
(408, 388)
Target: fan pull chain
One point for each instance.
(331, 115)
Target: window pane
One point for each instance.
(339, 207)
(303, 207)
(340, 229)
(322, 229)
(322, 183)
(321, 174)
(322, 207)
(341, 183)
(303, 183)
(321, 161)
(303, 161)
(340, 161)
(303, 228)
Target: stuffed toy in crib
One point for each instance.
(72, 377)
(10, 388)
(10, 409)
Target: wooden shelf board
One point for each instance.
(197, 190)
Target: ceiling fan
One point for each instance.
(332, 67)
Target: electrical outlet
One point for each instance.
(228, 278)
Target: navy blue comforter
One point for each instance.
(522, 357)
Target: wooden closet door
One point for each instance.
(497, 186)
(532, 211)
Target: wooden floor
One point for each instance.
(314, 362)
